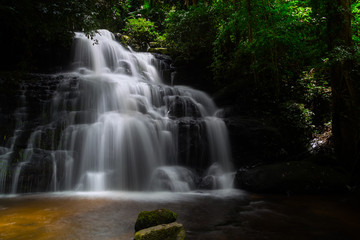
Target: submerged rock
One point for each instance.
(172, 231)
(148, 219)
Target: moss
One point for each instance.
(172, 231)
(154, 44)
(148, 219)
(159, 50)
(125, 39)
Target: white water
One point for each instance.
(6, 152)
(123, 129)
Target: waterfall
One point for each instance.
(7, 152)
(114, 125)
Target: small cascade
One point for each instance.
(216, 177)
(16, 176)
(6, 153)
(173, 178)
(112, 124)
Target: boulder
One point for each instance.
(148, 219)
(295, 177)
(208, 182)
(172, 231)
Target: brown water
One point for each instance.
(214, 216)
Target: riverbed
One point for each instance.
(214, 215)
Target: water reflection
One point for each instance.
(205, 215)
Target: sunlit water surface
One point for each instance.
(214, 215)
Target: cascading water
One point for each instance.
(7, 152)
(113, 125)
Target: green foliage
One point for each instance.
(297, 113)
(356, 21)
(356, 28)
(260, 52)
(111, 14)
(263, 47)
(141, 32)
(38, 29)
(232, 48)
(316, 97)
(191, 33)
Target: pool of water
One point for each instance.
(211, 215)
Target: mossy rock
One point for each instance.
(172, 231)
(125, 39)
(159, 50)
(148, 219)
(153, 44)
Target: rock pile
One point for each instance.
(159, 224)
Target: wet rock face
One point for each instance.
(25, 101)
(174, 178)
(208, 182)
(192, 143)
(166, 67)
(34, 107)
(9, 93)
(36, 172)
(158, 224)
(180, 106)
(153, 218)
(172, 231)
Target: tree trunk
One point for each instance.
(346, 120)
(251, 39)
